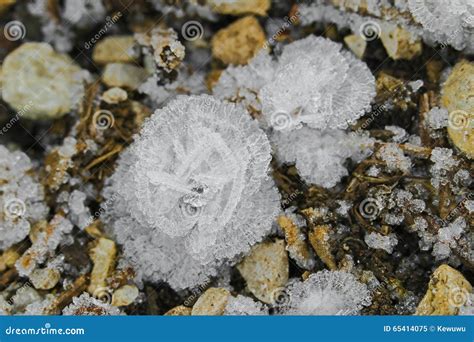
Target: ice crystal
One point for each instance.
(193, 190)
(83, 13)
(85, 305)
(379, 241)
(443, 163)
(437, 118)
(244, 306)
(313, 82)
(395, 158)
(447, 238)
(326, 293)
(320, 156)
(22, 197)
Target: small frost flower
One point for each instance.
(22, 197)
(320, 156)
(326, 293)
(443, 162)
(193, 191)
(319, 84)
(244, 306)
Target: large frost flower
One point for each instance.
(326, 293)
(193, 191)
(21, 200)
(314, 82)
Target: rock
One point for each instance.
(103, 257)
(458, 100)
(211, 303)
(125, 295)
(114, 49)
(5, 5)
(295, 243)
(238, 42)
(400, 44)
(448, 290)
(124, 76)
(44, 278)
(319, 239)
(180, 310)
(265, 270)
(40, 83)
(357, 44)
(114, 95)
(239, 7)
(8, 258)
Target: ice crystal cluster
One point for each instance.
(437, 22)
(22, 197)
(319, 156)
(326, 293)
(244, 306)
(86, 305)
(193, 191)
(314, 82)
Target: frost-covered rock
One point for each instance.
(85, 305)
(193, 191)
(22, 197)
(379, 241)
(244, 306)
(320, 156)
(314, 82)
(326, 293)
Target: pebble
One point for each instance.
(40, 83)
(114, 49)
(239, 7)
(319, 239)
(211, 303)
(265, 270)
(180, 310)
(238, 42)
(357, 44)
(103, 256)
(44, 278)
(457, 98)
(448, 290)
(124, 76)
(400, 44)
(125, 295)
(114, 95)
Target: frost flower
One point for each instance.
(326, 293)
(193, 191)
(21, 200)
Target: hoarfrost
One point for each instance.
(444, 162)
(193, 191)
(379, 241)
(22, 197)
(326, 293)
(320, 156)
(244, 306)
(85, 305)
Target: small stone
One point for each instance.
(5, 5)
(239, 7)
(448, 290)
(319, 239)
(265, 270)
(458, 100)
(44, 278)
(357, 44)
(125, 295)
(114, 95)
(400, 44)
(238, 42)
(295, 243)
(124, 76)
(211, 303)
(114, 49)
(180, 310)
(41, 83)
(103, 257)
(8, 258)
